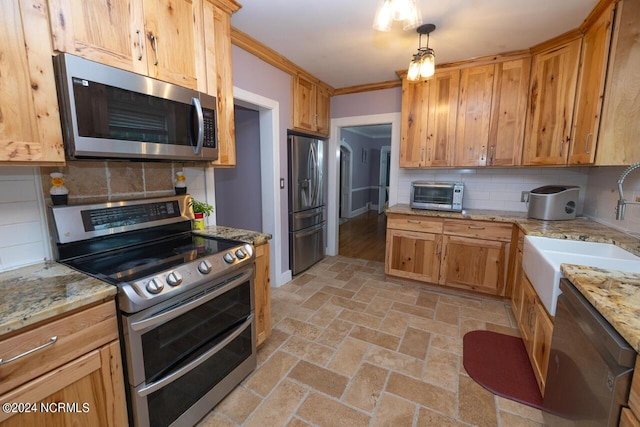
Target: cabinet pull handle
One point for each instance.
(491, 151)
(561, 145)
(482, 156)
(587, 150)
(476, 227)
(422, 154)
(139, 45)
(429, 154)
(413, 221)
(51, 341)
(154, 44)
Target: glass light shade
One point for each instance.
(414, 69)
(384, 16)
(413, 21)
(427, 65)
(402, 9)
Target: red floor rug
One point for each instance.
(500, 364)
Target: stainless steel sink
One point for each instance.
(542, 257)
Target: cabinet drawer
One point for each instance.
(415, 223)
(480, 229)
(76, 335)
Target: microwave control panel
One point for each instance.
(209, 117)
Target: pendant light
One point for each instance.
(423, 64)
(397, 10)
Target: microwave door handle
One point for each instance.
(195, 102)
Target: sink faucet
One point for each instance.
(622, 203)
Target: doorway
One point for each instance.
(345, 181)
(363, 175)
(334, 189)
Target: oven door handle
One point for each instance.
(150, 388)
(171, 314)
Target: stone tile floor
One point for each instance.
(351, 347)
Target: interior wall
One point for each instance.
(238, 189)
(603, 196)
(367, 103)
(254, 75)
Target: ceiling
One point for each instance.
(335, 42)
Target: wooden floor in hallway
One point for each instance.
(363, 237)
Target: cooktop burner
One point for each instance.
(130, 264)
(146, 248)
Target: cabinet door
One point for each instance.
(441, 124)
(29, 117)
(551, 98)
(541, 344)
(474, 264)
(413, 130)
(173, 30)
(217, 23)
(529, 313)
(474, 113)
(595, 54)
(93, 382)
(109, 32)
(508, 112)
(262, 288)
(304, 103)
(323, 102)
(413, 255)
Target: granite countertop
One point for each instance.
(41, 291)
(576, 229)
(253, 237)
(615, 294)
(38, 292)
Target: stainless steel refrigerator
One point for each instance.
(307, 210)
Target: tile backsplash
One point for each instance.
(99, 181)
(498, 189)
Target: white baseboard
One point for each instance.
(359, 211)
(283, 278)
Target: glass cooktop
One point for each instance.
(133, 263)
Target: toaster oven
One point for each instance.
(441, 196)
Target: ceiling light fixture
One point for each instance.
(397, 10)
(423, 64)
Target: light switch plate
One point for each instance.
(281, 183)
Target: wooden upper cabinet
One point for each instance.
(173, 30)
(217, 48)
(474, 114)
(159, 38)
(311, 106)
(413, 128)
(110, 33)
(508, 112)
(618, 135)
(552, 90)
(441, 122)
(595, 53)
(29, 118)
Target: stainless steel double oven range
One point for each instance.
(185, 302)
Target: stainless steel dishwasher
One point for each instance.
(590, 366)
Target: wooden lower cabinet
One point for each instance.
(262, 286)
(74, 379)
(536, 328)
(466, 254)
(413, 255)
(628, 419)
(474, 264)
(88, 391)
(630, 416)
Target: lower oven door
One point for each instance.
(184, 357)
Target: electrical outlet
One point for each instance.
(524, 197)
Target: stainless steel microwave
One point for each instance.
(440, 196)
(111, 113)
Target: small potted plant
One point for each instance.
(200, 210)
